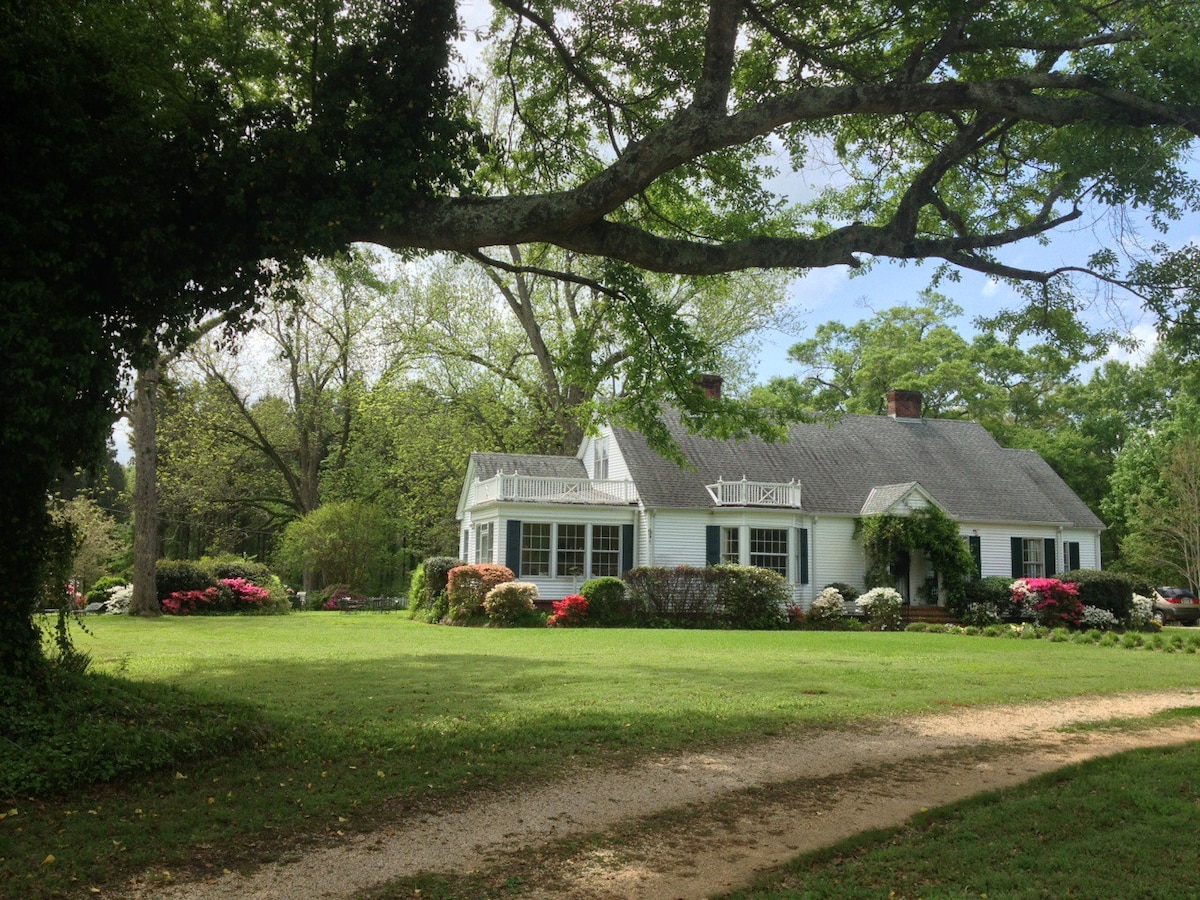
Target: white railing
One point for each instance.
(543, 489)
(755, 493)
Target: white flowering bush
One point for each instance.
(828, 609)
(119, 598)
(1141, 613)
(883, 608)
(981, 614)
(1095, 617)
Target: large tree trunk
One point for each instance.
(145, 494)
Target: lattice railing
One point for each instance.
(755, 493)
(545, 489)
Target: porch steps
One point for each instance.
(934, 615)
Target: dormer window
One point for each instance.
(600, 460)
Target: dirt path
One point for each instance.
(756, 807)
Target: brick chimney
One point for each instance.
(904, 404)
(711, 385)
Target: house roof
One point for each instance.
(488, 465)
(839, 464)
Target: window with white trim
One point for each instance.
(606, 551)
(535, 548)
(485, 542)
(600, 460)
(769, 549)
(1033, 557)
(572, 548)
(731, 553)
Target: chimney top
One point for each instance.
(904, 404)
(711, 385)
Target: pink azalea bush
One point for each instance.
(184, 603)
(233, 595)
(1054, 603)
(569, 612)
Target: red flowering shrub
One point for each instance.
(1055, 603)
(184, 603)
(245, 593)
(569, 612)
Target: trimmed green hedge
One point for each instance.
(1106, 590)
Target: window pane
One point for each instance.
(606, 551)
(730, 550)
(570, 549)
(483, 543)
(1034, 566)
(769, 549)
(535, 548)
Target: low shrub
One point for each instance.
(993, 592)
(1096, 618)
(1052, 602)
(437, 574)
(848, 591)
(608, 602)
(223, 567)
(827, 612)
(883, 608)
(418, 598)
(175, 575)
(752, 598)
(510, 602)
(917, 627)
(1141, 613)
(119, 598)
(468, 586)
(684, 595)
(982, 614)
(1112, 591)
(569, 612)
(100, 590)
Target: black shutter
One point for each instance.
(975, 543)
(1018, 558)
(712, 544)
(802, 535)
(1051, 571)
(512, 549)
(1071, 555)
(626, 548)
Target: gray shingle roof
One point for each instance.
(838, 465)
(488, 465)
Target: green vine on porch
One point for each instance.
(931, 531)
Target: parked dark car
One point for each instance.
(1173, 604)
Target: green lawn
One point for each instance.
(1118, 827)
(358, 713)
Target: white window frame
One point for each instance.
(731, 544)
(775, 558)
(485, 536)
(1033, 557)
(600, 460)
(555, 564)
(612, 555)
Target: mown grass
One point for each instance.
(360, 716)
(1121, 826)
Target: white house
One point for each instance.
(788, 506)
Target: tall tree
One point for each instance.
(155, 154)
(539, 319)
(167, 169)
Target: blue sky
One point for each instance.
(834, 294)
